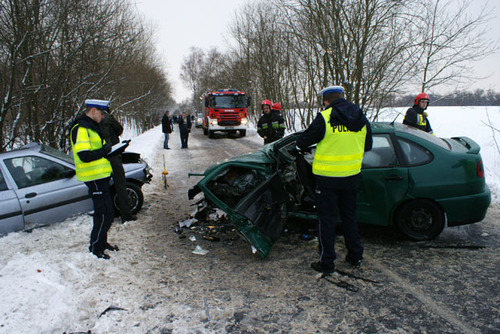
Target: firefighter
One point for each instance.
(342, 134)
(89, 151)
(276, 113)
(268, 126)
(416, 115)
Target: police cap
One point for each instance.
(99, 104)
(331, 89)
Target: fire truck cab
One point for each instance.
(225, 110)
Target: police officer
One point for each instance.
(416, 115)
(342, 134)
(270, 126)
(90, 151)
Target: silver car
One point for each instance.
(38, 186)
(198, 122)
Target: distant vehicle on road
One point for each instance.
(225, 110)
(198, 121)
(38, 186)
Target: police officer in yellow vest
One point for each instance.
(90, 151)
(343, 134)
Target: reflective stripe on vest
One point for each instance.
(89, 140)
(421, 121)
(340, 153)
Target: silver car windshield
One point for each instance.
(57, 154)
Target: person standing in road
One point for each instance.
(277, 117)
(112, 130)
(416, 116)
(167, 127)
(184, 129)
(89, 152)
(342, 134)
(270, 125)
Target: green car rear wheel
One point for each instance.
(420, 219)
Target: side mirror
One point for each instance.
(249, 101)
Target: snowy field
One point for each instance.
(46, 288)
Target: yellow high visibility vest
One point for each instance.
(89, 140)
(340, 153)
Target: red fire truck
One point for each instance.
(225, 110)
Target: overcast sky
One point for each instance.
(181, 24)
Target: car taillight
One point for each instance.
(480, 169)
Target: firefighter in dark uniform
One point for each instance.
(416, 115)
(90, 151)
(271, 125)
(342, 134)
(276, 113)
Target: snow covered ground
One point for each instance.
(47, 279)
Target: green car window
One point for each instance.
(415, 154)
(382, 153)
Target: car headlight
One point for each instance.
(244, 121)
(213, 121)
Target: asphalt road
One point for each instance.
(448, 285)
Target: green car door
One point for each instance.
(383, 182)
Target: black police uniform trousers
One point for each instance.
(120, 183)
(100, 193)
(337, 197)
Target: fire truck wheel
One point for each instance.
(243, 133)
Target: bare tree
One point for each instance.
(58, 53)
(447, 40)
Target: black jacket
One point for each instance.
(411, 119)
(185, 124)
(265, 126)
(111, 129)
(343, 113)
(166, 124)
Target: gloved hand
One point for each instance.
(106, 148)
(297, 150)
(124, 144)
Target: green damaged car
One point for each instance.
(410, 179)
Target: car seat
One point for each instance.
(20, 177)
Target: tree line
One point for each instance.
(478, 97)
(56, 53)
(288, 50)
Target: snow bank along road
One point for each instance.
(155, 284)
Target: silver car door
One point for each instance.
(47, 190)
(11, 214)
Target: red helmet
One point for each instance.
(421, 96)
(276, 106)
(269, 103)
